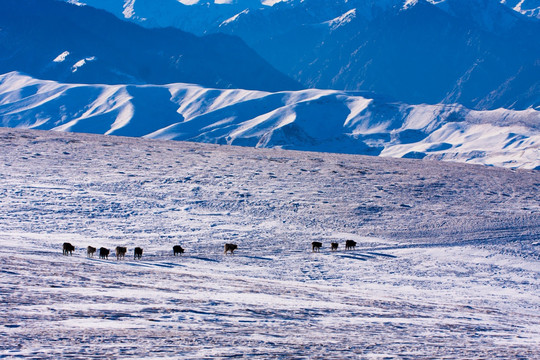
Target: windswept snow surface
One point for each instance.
(316, 120)
(447, 262)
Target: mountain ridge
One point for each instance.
(481, 53)
(419, 53)
(314, 120)
(79, 44)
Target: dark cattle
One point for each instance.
(90, 251)
(231, 248)
(350, 245)
(334, 246)
(137, 253)
(120, 252)
(177, 249)
(316, 246)
(104, 253)
(67, 249)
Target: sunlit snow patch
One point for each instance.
(342, 20)
(234, 18)
(81, 63)
(409, 3)
(129, 12)
(188, 2)
(271, 2)
(61, 57)
(75, 2)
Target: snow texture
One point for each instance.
(446, 264)
(316, 120)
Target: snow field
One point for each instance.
(446, 263)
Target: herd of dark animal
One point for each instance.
(349, 245)
(120, 251)
(137, 252)
(178, 250)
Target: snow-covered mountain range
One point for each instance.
(59, 41)
(438, 80)
(415, 51)
(480, 53)
(317, 120)
(203, 16)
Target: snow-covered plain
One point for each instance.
(447, 262)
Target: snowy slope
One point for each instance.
(446, 264)
(317, 120)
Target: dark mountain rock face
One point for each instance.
(100, 48)
(479, 53)
(484, 54)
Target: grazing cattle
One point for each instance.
(90, 251)
(177, 249)
(120, 252)
(350, 244)
(334, 246)
(316, 246)
(67, 249)
(137, 253)
(104, 253)
(231, 248)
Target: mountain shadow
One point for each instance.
(79, 44)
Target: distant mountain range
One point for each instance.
(204, 16)
(526, 7)
(484, 54)
(79, 44)
(447, 79)
(315, 120)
